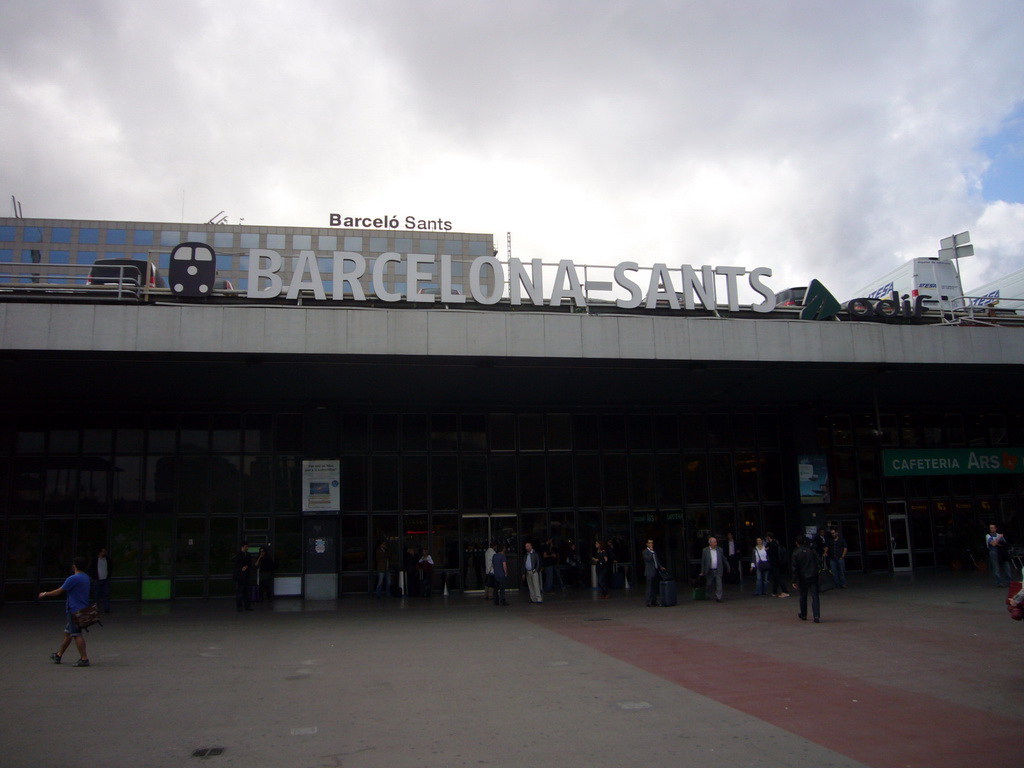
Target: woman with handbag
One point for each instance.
(760, 564)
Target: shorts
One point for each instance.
(72, 628)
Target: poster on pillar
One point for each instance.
(813, 479)
(321, 486)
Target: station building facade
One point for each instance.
(169, 431)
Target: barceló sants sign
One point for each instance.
(390, 222)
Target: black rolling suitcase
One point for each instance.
(667, 592)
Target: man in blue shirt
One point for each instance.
(76, 587)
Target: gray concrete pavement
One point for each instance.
(919, 671)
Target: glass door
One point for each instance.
(479, 529)
(899, 537)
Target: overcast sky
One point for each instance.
(822, 139)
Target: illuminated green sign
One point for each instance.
(953, 461)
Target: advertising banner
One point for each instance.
(813, 471)
(321, 486)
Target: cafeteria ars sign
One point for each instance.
(953, 461)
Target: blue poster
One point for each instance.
(813, 471)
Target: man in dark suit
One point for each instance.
(654, 569)
(713, 567)
(805, 566)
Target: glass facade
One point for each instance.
(80, 243)
(172, 493)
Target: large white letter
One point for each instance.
(705, 291)
(769, 295)
(518, 279)
(447, 294)
(566, 269)
(732, 292)
(342, 275)
(306, 261)
(378, 277)
(273, 290)
(476, 285)
(635, 296)
(416, 276)
(655, 289)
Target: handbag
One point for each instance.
(825, 580)
(87, 617)
(763, 565)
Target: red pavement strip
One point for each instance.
(878, 725)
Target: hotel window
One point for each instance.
(8, 234)
(403, 244)
(198, 237)
(354, 244)
(60, 235)
(477, 248)
(379, 244)
(250, 240)
(223, 239)
(89, 236)
(168, 237)
(116, 236)
(427, 246)
(327, 242)
(302, 242)
(142, 237)
(453, 247)
(225, 261)
(33, 235)
(275, 241)
(60, 257)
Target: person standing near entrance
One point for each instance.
(76, 587)
(713, 567)
(382, 563)
(837, 558)
(531, 572)
(603, 567)
(654, 570)
(776, 559)
(243, 568)
(102, 570)
(997, 547)
(489, 554)
(500, 566)
(805, 566)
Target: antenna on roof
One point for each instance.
(508, 246)
(17, 207)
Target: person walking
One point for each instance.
(837, 558)
(382, 563)
(997, 547)
(76, 587)
(242, 573)
(654, 570)
(713, 567)
(805, 566)
(102, 570)
(500, 566)
(761, 566)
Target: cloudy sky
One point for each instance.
(821, 139)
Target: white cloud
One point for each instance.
(823, 140)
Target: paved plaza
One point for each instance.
(916, 671)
